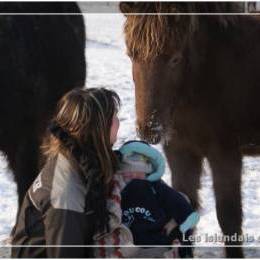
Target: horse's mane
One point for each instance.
(147, 35)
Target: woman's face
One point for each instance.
(114, 129)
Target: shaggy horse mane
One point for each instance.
(147, 35)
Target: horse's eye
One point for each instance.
(175, 60)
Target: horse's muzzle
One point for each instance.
(152, 135)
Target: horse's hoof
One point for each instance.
(234, 252)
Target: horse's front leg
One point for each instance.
(24, 161)
(185, 166)
(226, 164)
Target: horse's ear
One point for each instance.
(126, 7)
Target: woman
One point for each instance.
(66, 205)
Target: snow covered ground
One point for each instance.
(109, 66)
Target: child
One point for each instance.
(148, 204)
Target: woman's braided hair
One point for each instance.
(80, 130)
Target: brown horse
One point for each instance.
(197, 91)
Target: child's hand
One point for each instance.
(170, 225)
(176, 234)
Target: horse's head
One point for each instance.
(165, 59)
(158, 64)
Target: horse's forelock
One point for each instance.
(147, 35)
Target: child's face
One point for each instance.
(128, 176)
(114, 129)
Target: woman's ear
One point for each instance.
(126, 7)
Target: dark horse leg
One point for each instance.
(23, 159)
(226, 164)
(185, 166)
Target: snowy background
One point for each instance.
(109, 66)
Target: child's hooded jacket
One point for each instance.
(147, 205)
